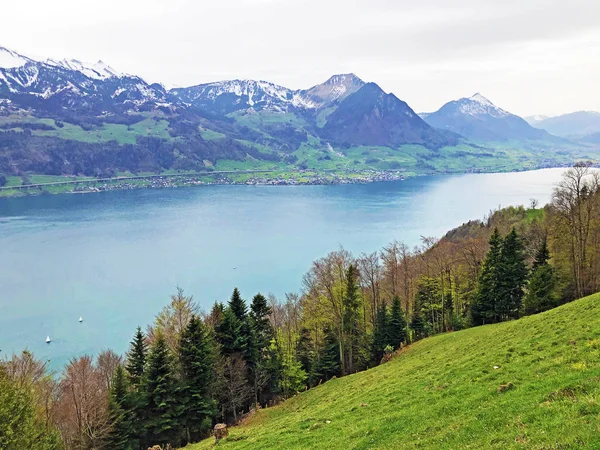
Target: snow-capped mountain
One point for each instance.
(235, 95)
(240, 95)
(73, 87)
(335, 89)
(478, 118)
(97, 71)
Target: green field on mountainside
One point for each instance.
(531, 383)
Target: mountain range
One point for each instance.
(71, 117)
(580, 125)
(479, 119)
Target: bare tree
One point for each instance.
(575, 205)
(173, 319)
(325, 283)
(82, 412)
(107, 362)
(232, 371)
(370, 269)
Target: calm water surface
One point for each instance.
(115, 257)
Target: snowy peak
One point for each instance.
(239, 95)
(481, 99)
(335, 89)
(478, 118)
(10, 59)
(477, 105)
(97, 71)
(235, 95)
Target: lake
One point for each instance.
(115, 257)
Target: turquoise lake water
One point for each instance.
(114, 258)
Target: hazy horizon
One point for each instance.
(531, 58)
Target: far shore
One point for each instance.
(234, 177)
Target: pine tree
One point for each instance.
(162, 418)
(238, 305)
(305, 354)
(259, 316)
(397, 325)
(234, 332)
(351, 318)
(328, 364)
(264, 372)
(119, 412)
(418, 325)
(513, 277)
(136, 366)
(196, 355)
(540, 294)
(380, 334)
(542, 255)
(229, 334)
(483, 307)
(136, 358)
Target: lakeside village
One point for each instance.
(251, 178)
(205, 179)
(300, 178)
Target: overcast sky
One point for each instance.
(527, 56)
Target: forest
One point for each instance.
(190, 369)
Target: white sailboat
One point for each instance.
(48, 340)
(80, 319)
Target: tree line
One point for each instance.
(190, 370)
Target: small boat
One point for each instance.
(48, 339)
(80, 319)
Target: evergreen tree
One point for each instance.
(196, 355)
(259, 317)
(351, 318)
(328, 364)
(136, 358)
(542, 255)
(229, 334)
(418, 325)
(234, 332)
(264, 370)
(483, 307)
(397, 325)
(305, 354)
(136, 366)
(162, 418)
(380, 334)
(540, 294)
(119, 412)
(512, 276)
(238, 305)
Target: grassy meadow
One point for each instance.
(532, 383)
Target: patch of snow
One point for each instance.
(97, 71)
(118, 92)
(479, 105)
(11, 60)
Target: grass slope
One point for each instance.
(442, 393)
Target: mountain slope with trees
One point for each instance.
(530, 383)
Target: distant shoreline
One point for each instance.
(235, 178)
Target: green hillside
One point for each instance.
(443, 392)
